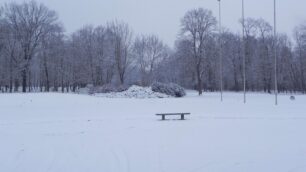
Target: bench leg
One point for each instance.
(163, 117)
(182, 117)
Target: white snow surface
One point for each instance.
(52, 132)
(134, 92)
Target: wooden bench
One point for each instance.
(173, 114)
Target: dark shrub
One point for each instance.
(292, 98)
(169, 89)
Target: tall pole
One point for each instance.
(220, 52)
(275, 56)
(243, 54)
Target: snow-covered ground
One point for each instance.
(78, 133)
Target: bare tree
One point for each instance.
(11, 56)
(103, 64)
(300, 39)
(29, 22)
(198, 25)
(121, 36)
(149, 51)
(232, 57)
(49, 55)
(265, 53)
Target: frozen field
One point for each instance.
(77, 133)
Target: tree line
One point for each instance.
(37, 55)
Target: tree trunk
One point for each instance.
(11, 85)
(24, 80)
(121, 78)
(62, 85)
(200, 86)
(16, 85)
(29, 81)
(11, 75)
(47, 75)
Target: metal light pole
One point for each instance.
(243, 54)
(220, 52)
(275, 55)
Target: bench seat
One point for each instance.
(173, 114)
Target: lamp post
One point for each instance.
(220, 52)
(275, 56)
(243, 54)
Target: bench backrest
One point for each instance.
(173, 114)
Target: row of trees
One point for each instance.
(36, 55)
(197, 54)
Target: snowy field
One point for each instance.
(78, 133)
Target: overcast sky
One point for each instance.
(162, 17)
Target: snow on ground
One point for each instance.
(77, 133)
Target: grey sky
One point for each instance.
(162, 17)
